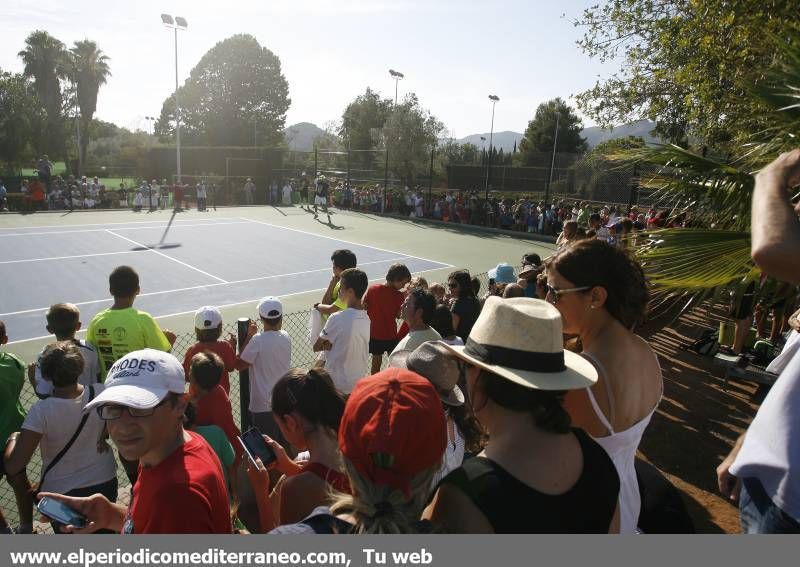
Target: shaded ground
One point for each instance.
(697, 422)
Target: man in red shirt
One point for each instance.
(383, 303)
(180, 488)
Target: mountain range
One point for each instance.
(301, 136)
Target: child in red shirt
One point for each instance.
(208, 329)
(211, 404)
(383, 302)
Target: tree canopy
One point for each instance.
(362, 122)
(20, 118)
(410, 133)
(686, 64)
(539, 134)
(235, 96)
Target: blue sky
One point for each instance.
(453, 53)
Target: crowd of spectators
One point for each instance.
(517, 412)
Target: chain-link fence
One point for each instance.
(295, 324)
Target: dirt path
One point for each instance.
(697, 421)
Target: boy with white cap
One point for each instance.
(268, 355)
(181, 488)
(208, 330)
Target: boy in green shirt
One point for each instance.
(121, 329)
(12, 414)
(331, 302)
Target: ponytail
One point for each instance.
(382, 509)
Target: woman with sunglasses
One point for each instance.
(601, 293)
(307, 409)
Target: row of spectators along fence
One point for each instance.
(296, 324)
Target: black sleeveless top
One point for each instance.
(512, 507)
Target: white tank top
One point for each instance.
(621, 446)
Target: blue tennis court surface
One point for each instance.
(182, 265)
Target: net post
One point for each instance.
(242, 325)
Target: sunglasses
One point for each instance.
(556, 293)
(452, 285)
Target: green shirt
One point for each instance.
(12, 378)
(215, 437)
(117, 332)
(338, 301)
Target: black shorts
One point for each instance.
(378, 346)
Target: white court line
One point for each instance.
(113, 223)
(70, 257)
(218, 306)
(347, 241)
(163, 225)
(153, 250)
(326, 269)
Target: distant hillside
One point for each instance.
(301, 136)
(595, 135)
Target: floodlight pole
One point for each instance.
(494, 100)
(177, 109)
(552, 162)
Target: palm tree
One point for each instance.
(89, 71)
(44, 57)
(688, 265)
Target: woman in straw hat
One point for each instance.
(537, 474)
(392, 437)
(601, 294)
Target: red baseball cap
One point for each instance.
(393, 427)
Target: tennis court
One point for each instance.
(183, 263)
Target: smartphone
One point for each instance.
(60, 512)
(254, 445)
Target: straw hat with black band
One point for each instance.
(521, 340)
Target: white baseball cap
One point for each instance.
(207, 317)
(141, 380)
(270, 308)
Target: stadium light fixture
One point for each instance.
(176, 23)
(396, 75)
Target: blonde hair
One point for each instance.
(382, 509)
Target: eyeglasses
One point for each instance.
(557, 293)
(452, 285)
(112, 412)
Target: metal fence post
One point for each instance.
(242, 325)
(430, 185)
(385, 180)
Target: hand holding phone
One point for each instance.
(254, 445)
(60, 512)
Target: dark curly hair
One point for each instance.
(595, 263)
(544, 406)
